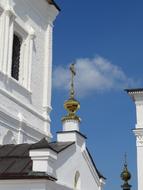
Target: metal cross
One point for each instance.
(73, 73)
(125, 158)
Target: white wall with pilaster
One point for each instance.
(139, 143)
(31, 95)
(137, 96)
(139, 137)
(74, 159)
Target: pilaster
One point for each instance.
(1, 36)
(139, 143)
(28, 47)
(8, 17)
(139, 113)
(47, 77)
(137, 96)
(20, 134)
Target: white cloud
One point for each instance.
(93, 75)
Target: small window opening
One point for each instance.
(16, 56)
(77, 182)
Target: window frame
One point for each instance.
(1, 36)
(19, 31)
(17, 63)
(27, 35)
(77, 181)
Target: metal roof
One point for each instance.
(15, 162)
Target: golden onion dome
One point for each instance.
(125, 175)
(71, 105)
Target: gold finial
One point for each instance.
(126, 176)
(72, 105)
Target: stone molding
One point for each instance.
(21, 128)
(139, 136)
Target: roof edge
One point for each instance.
(71, 143)
(29, 177)
(134, 90)
(52, 2)
(72, 132)
(99, 174)
(44, 144)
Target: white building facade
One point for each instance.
(28, 158)
(26, 98)
(137, 97)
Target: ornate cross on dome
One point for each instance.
(71, 105)
(73, 73)
(125, 158)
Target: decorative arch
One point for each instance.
(77, 181)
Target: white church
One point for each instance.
(29, 160)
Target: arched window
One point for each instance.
(77, 182)
(16, 56)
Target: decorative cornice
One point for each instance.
(71, 118)
(135, 94)
(139, 136)
(31, 32)
(134, 91)
(13, 123)
(139, 103)
(62, 132)
(10, 12)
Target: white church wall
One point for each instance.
(28, 124)
(31, 185)
(39, 17)
(72, 160)
(31, 95)
(137, 96)
(23, 184)
(139, 165)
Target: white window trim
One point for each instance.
(1, 36)
(10, 24)
(27, 35)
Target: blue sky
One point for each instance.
(105, 38)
